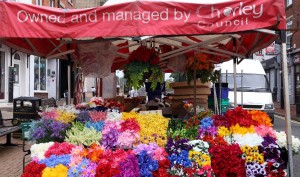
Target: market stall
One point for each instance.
(224, 29)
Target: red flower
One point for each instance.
(130, 124)
(239, 116)
(59, 149)
(33, 169)
(226, 161)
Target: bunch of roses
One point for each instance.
(33, 169)
(239, 116)
(226, 160)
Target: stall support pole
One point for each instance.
(69, 78)
(69, 84)
(234, 82)
(195, 92)
(287, 105)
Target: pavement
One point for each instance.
(11, 163)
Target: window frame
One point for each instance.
(289, 3)
(289, 25)
(37, 84)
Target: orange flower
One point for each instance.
(260, 117)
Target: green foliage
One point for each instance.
(135, 74)
(204, 76)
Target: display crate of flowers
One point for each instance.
(90, 142)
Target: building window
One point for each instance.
(289, 2)
(16, 73)
(52, 3)
(40, 68)
(289, 24)
(39, 2)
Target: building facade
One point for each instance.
(28, 75)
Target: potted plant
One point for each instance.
(143, 64)
(204, 68)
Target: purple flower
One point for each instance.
(58, 130)
(110, 139)
(38, 133)
(268, 140)
(130, 167)
(177, 146)
(83, 116)
(212, 131)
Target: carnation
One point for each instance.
(251, 139)
(38, 150)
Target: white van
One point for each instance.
(253, 90)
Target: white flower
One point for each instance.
(38, 150)
(199, 146)
(281, 141)
(113, 115)
(250, 139)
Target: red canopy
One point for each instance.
(224, 28)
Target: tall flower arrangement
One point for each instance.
(143, 61)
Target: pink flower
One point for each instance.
(50, 115)
(263, 131)
(160, 154)
(111, 125)
(98, 116)
(127, 139)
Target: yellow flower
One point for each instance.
(58, 171)
(237, 129)
(223, 131)
(153, 127)
(200, 158)
(65, 117)
(129, 115)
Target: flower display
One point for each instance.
(133, 144)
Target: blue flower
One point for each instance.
(98, 126)
(54, 160)
(206, 123)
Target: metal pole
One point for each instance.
(220, 93)
(242, 93)
(69, 83)
(234, 82)
(287, 105)
(195, 92)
